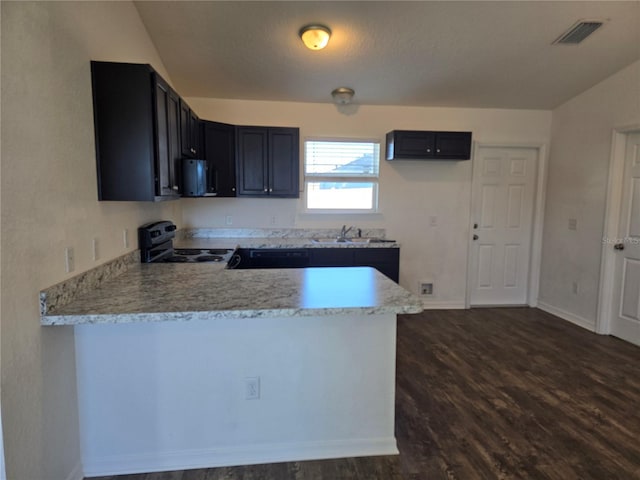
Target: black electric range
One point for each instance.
(187, 255)
(156, 245)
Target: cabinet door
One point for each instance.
(331, 257)
(167, 139)
(219, 151)
(125, 145)
(284, 161)
(454, 145)
(410, 144)
(252, 145)
(175, 157)
(185, 130)
(194, 134)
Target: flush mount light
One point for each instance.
(343, 95)
(315, 37)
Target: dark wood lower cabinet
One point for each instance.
(385, 260)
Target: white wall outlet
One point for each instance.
(575, 288)
(228, 220)
(426, 288)
(95, 245)
(125, 238)
(433, 221)
(573, 224)
(272, 220)
(69, 260)
(252, 388)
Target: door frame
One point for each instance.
(537, 219)
(613, 207)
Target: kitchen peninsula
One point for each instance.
(186, 366)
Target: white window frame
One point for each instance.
(311, 178)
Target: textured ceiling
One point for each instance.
(454, 54)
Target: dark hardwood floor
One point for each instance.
(509, 393)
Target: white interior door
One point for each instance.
(503, 194)
(626, 305)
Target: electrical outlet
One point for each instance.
(96, 249)
(426, 288)
(573, 224)
(252, 388)
(69, 260)
(272, 220)
(574, 288)
(125, 238)
(433, 221)
(228, 220)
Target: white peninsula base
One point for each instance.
(172, 395)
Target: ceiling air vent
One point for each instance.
(578, 32)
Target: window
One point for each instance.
(341, 176)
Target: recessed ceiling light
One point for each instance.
(315, 37)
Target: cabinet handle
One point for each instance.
(175, 187)
(233, 189)
(428, 150)
(265, 190)
(438, 150)
(271, 189)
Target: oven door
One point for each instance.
(157, 253)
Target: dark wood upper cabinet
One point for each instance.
(268, 161)
(453, 145)
(168, 138)
(428, 145)
(189, 131)
(144, 130)
(220, 152)
(136, 121)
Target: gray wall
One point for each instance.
(49, 202)
(580, 151)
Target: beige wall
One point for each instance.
(410, 191)
(49, 203)
(48, 197)
(577, 187)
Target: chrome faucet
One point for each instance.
(343, 233)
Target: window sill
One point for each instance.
(332, 214)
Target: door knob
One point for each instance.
(475, 237)
(619, 246)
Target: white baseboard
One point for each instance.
(233, 456)
(76, 473)
(568, 316)
(436, 305)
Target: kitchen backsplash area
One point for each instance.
(188, 233)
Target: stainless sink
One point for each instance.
(340, 240)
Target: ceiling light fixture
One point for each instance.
(315, 37)
(343, 95)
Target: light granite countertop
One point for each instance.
(182, 292)
(279, 238)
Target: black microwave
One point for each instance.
(197, 180)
